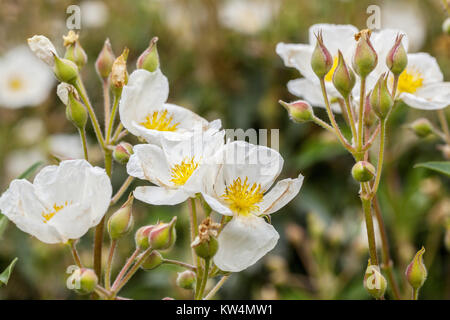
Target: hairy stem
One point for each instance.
(216, 287)
(180, 263)
(84, 142)
(361, 113)
(109, 264)
(380, 157)
(367, 207)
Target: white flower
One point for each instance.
(240, 188)
(43, 48)
(66, 146)
(94, 14)
(248, 16)
(62, 203)
(178, 168)
(145, 113)
(24, 80)
(421, 84)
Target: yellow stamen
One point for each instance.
(242, 198)
(330, 73)
(409, 81)
(159, 121)
(50, 214)
(15, 83)
(181, 172)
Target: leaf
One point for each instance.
(439, 166)
(27, 173)
(4, 276)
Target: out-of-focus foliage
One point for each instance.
(221, 72)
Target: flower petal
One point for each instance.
(335, 36)
(43, 48)
(297, 56)
(426, 66)
(280, 195)
(430, 97)
(160, 196)
(216, 205)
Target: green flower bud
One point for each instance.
(299, 111)
(343, 77)
(121, 221)
(422, 127)
(205, 248)
(149, 59)
(446, 26)
(122, 152)
(85, 280)
(75, 111)
(321, 59)
(153, 261)
(363, 171)
(141, 237)
(397, 59)
(105, 60)
(119, 73)
(186, 279)
(65, 70)
(365, 58)
(74, 50)
(416, 272)
(381, 100)
(374, 282)
(163, 235)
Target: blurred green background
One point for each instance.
(228, 69)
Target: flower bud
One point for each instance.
(446, 26)
(299, 111)
(43, 48)
(422, 127)
(365, 58)
(205, 249)
(374, 282)
(321, 59)
(122, 152)
(121, 221)
(149, 59)
(153, 261)
(85, 280)
(75, 110)
(119, 74)
(381, 100)
(416, 272)
(343, 77)
(65, 70)
(163, 235)
(105, 60)
(74, 50)
(141, 237)
(186, 279)
(397, 59)
(363, 171)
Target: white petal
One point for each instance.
(72, 222)
(335, 36)
(280, 195)
(216, 205)
(62, 90)
(43, 48)
(430, 97)
(244, 241)
(297, 56)
(160, 196)
(427, 67)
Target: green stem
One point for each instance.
(109, 264)
(126, 267)
(204, 279)
(117, 132)
(415, 294)
(76, 256)
(367, 207)
(216, 287)
(180, 263)
(380, 157)
(112, 119)
(106, 99)
(361, 113)
(350, 117)
(84, 142)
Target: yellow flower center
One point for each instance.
(242, 198)
(409, 81)
(160, 121)
(180, 173)
(330, 73)
(51, 213)
(15, 83)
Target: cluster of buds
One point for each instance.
(206, 244)
(161, 236)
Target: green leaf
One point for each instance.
(27, 173)
(439, 166)
(4, 276)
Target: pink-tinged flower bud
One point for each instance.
(422, 127)
(299, 111)
(163, 235)
(122, 152)
(149, 59)
(363, 171)
(141, 237)
(153, 261)
(416, 272)
(186, 279)
(85, 280)
(65, 70)
(446, 26)
(374, 282)
(365, 58)
(121, 221)
(119, 73)
(74, 50)
(105, 60)
(321, 59)
(75, 110)
(397, 59)
(343, 77)
(381, 100)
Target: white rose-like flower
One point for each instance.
(179, 168)
(43, 48)
(24, 80)
(240, 188)
(145, 113)
(62, 203)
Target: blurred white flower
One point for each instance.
(65, 146)
(94, 14)
(17, 161)
(240, 188)
(29, 131)
(248, 16)
(24, 80)
(62, 203)
(145, 113)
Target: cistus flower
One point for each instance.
(186, 279)
(397, 58)
(374, 282)
(343, 77)
(381, 100)
(62, 203)
(149, 59)
(240, 189)
(177, 168)
(299, 111)
(145, 113)
(105, 60)
(24, 80)
(163, 235)
(422, 127)
(416, 272)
